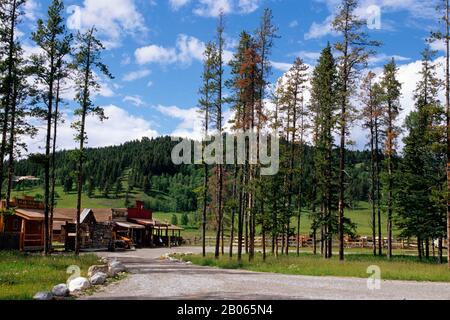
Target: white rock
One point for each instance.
(116, 267)
(98, 279)
(96, 269)
(79, 284)
(61, 290)
(43, 296)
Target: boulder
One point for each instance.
(61, 290)
(96, 269)
(43, 296)
(98, 279)
(116, 267)
(79, 284)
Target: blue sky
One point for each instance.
(155, 50)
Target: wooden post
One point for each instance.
(22, 236)
(167, 236)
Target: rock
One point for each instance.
(79, 284)
(116, 267)
(61, 290)
(96, 269)
(98, 279)
(166, 256)
(189, 263)
(43, 296)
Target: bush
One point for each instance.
(185, 219)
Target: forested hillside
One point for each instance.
(146, 165)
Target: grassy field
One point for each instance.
(22, 276)
(399, 268)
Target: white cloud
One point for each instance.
(136, 75)
(120, 127)
(382, 57)
(213, 8)
(319, 30)
(248, 6)
(135, 100)
(177, 4)
(187, 49)
(155, 54)
(293, 24)
(281, 66)
(191, 122)
(417, 9)
(31, 8)
(438, 45)
(112, 18)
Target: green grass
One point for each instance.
(22, 275)
(399, 268)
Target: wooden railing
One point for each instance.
(306, 242)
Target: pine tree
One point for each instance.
(147, 187)
(391, 110)
(294, 112)
(240, 124)
(217, 120)
(353, 53)
(444, 35)
(206, 103)
(87, 60)
(10, 13)
(324, 112)
(51, 37)
(371, 96)
(19, 114)
(264, 38)
(422, 171)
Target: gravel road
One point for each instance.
(152, 278)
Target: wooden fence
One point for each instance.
(307, 242)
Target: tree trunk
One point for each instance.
(390, 182)
(82, 140)
(8, 94)
(447, 104)
(378, 185)
(233, 210)
(205, 208)
(47, 160)
(373, 187)
(53, 163)
(240, 216)
(11, 145)
(419, 248)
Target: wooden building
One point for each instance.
(23, 230)
(94, 235)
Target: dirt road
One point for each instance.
(152, 278)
